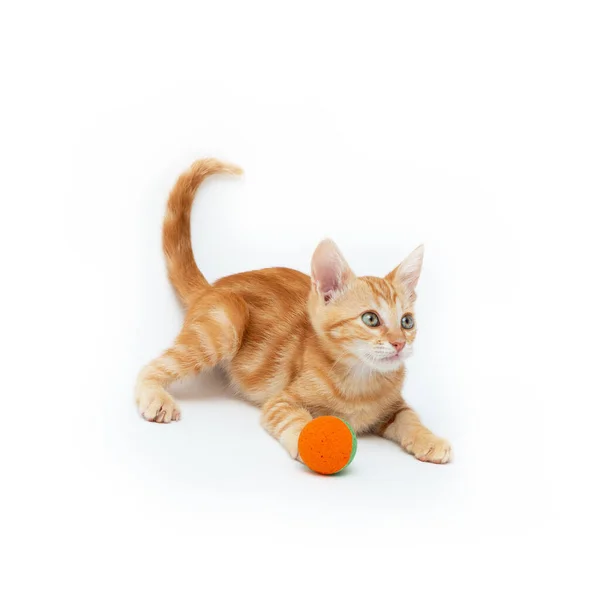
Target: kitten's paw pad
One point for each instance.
(428, 447)
(158, 406)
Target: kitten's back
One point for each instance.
(278, 326)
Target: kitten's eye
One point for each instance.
(370, 319)
(408, 322)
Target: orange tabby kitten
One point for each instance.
(296, 346)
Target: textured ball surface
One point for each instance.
(327, 445)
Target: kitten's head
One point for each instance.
(365, 320)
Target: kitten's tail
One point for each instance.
(177, 244)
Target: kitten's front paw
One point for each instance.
(289, 440)
(157, 405)
(428, 447)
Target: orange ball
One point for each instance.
(327, 445)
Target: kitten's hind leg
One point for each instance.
(212, 332)
(284, 417)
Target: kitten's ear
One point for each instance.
(330, 271)
(406, 274)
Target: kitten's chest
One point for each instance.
(361, 415)
(366, 416)
(363, 404)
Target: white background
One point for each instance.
(472, 127)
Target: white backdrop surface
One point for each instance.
(470, 127)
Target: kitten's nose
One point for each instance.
(398, 345)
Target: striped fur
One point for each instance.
(294, 345)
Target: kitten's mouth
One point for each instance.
(387, 361)
(393, 358)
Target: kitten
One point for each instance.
(296, 346)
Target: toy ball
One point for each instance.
(327, 445)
